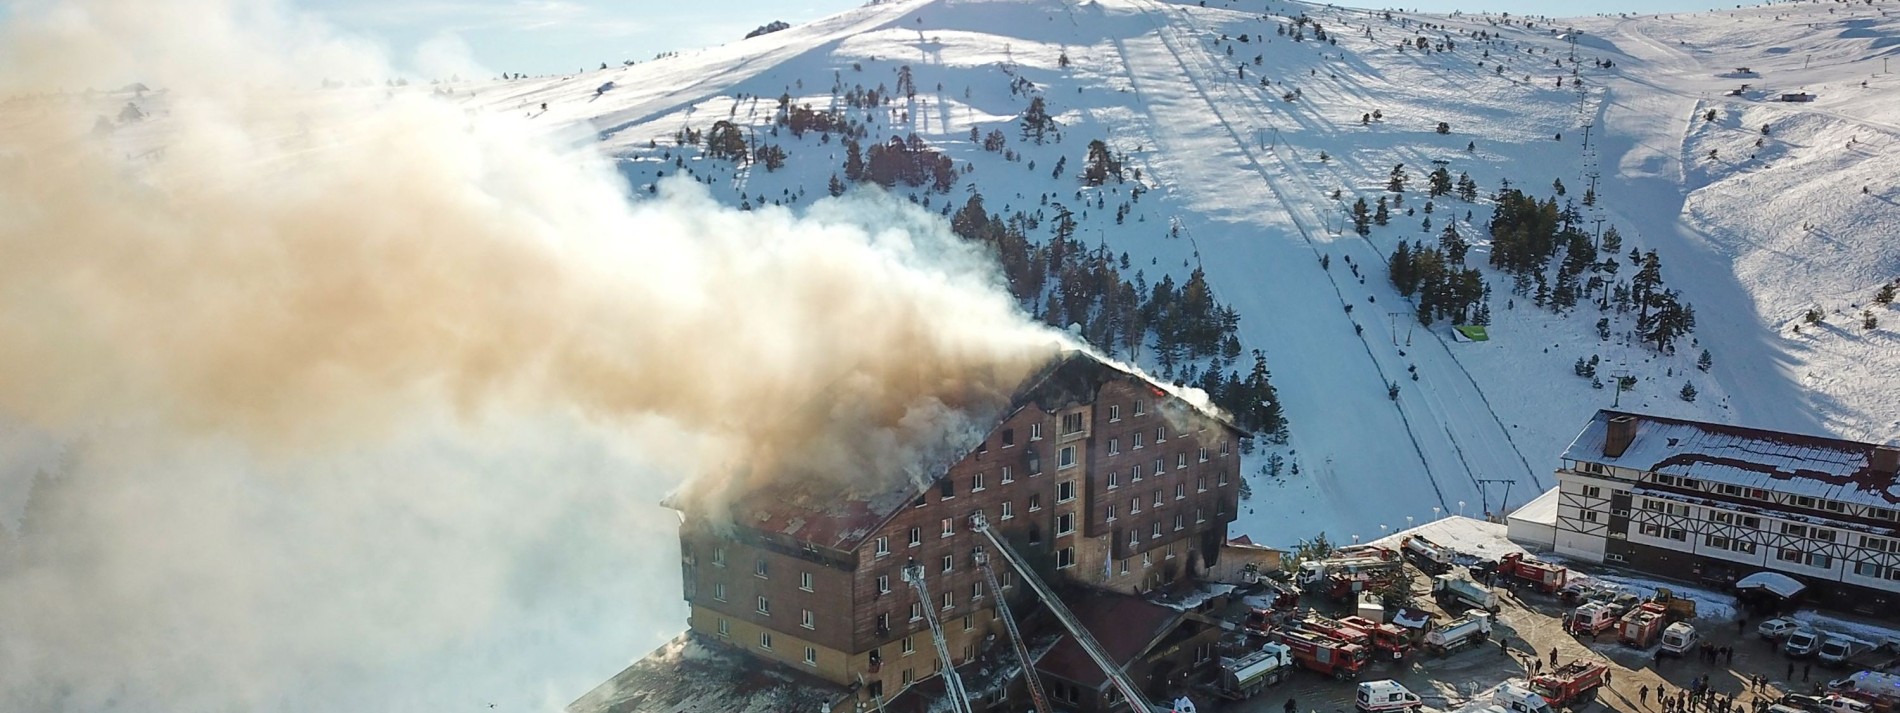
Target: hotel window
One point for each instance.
(1134, 440)
(949, 526)
(1065, 558)
(1140, 407)
(1065, 457)
(719, 591)
(1065, 491)
(1009, 579)
(1155, 531)
(719, 556)
(883, 546)
(1180, 461)
(1168, 552)
(811, 656)
(1009, 510)
(1200, 483)
(1114, 480)
(916, 536)
(1065, 523)
(1867, 569)
(1114, 446)
(1147, 560)
(759, 569)
(807, 619)
(1035, 502)
(949, 563)
(1221, 479)
(1034, 462)
(976, 591)
(1224, 448)
(946, 488)
(1803, 501)
(1794, 530)
(907, 677)
(976, 483)
(1071, 423)
(1008, 477)
(1161, 433)
(1134, 473)
(1788, 554)
(1180, 491)
(1161, 466)
(1677, 535)
(1134, 506)
(969, 624)
(1198, 518)
(1035, 431)
(804, 581)
(906, 648)
(1157, 497)
(883, 584)
(1650, 530)
(1134, 538)
(1009, 437)
(1823, 535)
(1589, 515)
(725, 627)
(1591, 491)
(1115, 413)
(1751, 522)
(949, 600)
(1203, 454)
(1123, 565)
(1180, 522)
(1111, 514)
(765, 606)
(765, 640)
(1816, 559)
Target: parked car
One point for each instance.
(1777, 628)
(1801, 643)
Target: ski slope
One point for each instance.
(1239, 170)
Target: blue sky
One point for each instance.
(541, 36)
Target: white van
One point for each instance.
(1386, 696)
(1679, 638)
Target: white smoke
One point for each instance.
(349, 400)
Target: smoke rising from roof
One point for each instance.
(360, 401)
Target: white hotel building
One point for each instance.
(1713, 503)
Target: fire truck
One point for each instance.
(1364, 559)
(1344, 586)
(1543, 576)
(1390, 642)
(1324, 656)
(1642, 625)
(1574, 682)
(1334, 629)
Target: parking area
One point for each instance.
(1531, 627)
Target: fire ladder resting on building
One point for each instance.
(952, 683)
(1015, 635)
(1090, 646)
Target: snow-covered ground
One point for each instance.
(1247, 177)
(1753, 227)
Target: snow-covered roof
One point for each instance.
(690, 673)
(1782, 585)
(1541, 510)
(1827, 468)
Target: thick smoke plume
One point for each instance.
(352, 400)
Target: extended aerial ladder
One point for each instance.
(1015, 634)
(952, 683)
(1123, 684)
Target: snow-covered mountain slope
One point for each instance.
(1242, 178)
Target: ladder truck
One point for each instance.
(1036, 695)
(1116, 676)
(952, 683)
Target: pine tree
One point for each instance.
(1440, 182)
(1612, 241)
(1453, 244)
(1036, 120)
(1705, 361)
(1396, 184)
(1557, 186)
(1688, 392)
(1380, 214)
(1885, 295)
(853, 160)
(1361, 220)
(1868, 320)
(836, 187)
